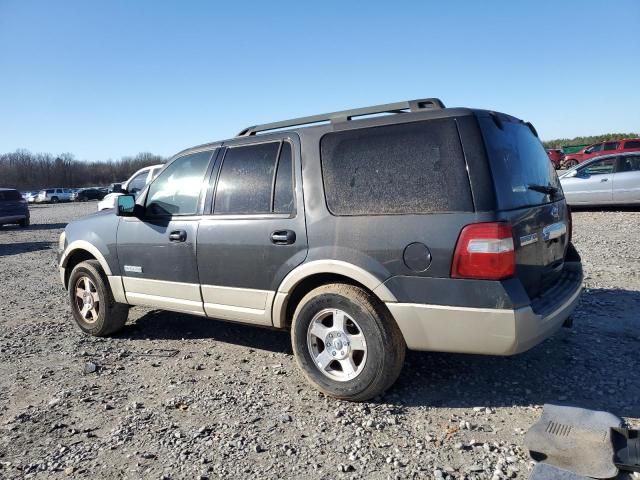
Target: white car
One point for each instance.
(54, 195)
(605, 180)
(30, 197)
(134, 185)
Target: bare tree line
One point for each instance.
(29, 171)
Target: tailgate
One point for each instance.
(541, 237)
(528, 196)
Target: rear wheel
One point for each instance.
(92, 304)
(571, 163)
(346, 342)
(54, 200)
(25, 222)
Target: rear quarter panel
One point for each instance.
(375, 243)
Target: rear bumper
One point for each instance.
(13, 218)
(488, 331)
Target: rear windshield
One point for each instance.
(9, 195)
(518, 161)
(395, 169)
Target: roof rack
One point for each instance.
(346, 115)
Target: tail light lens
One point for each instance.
(570, 217)
(484, 251)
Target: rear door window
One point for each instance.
(628, 163)
(246, 181)
(283, 188)
(518, 162)
(610, 146)
(407, 168)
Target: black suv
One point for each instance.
(364, 232)
(13, 208)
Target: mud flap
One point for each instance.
(576, 440)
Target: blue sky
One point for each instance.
(103, 79)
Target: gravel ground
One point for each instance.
(176, 396)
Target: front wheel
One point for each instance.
(346, 343)
(92, 304)
(54, 200)
(25, 222)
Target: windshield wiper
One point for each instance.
(548, 189)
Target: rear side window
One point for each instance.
(255, 179)
(155, 172)
(632, 144)
(138, 182)
(518, 161)
(9, 196)
(629, 164)
(397, 169)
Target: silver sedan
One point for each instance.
(604, 180)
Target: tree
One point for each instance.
(28, 171)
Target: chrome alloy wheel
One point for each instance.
(87, 299)
(337, 345)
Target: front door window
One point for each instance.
(176, 191)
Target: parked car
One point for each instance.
(54, 195)
(30, 197)
(85, 194)
(605, 180)
(134, 185)
(602, 148)
(13, 208)
(556, 156)
(115, 187)
(428, 228)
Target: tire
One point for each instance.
(371, 367)
(107, 316)
(54, 200)
(571, 164)
(25, 222)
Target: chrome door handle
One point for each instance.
(283, 237)
(604, 180)
(178, 236)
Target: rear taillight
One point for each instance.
(484, 251)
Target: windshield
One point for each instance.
(519, 164)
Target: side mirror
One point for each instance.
(573, 173)
(126, 205)
(117, 188)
